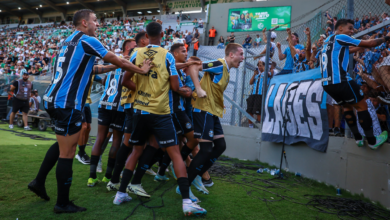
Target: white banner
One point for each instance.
(307, 115)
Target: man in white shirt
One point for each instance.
(385, 16)
(167, 46)
(117, 50)
(200, 23)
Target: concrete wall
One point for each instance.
(219, 13)
(358, 170)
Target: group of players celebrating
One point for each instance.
(144, 102)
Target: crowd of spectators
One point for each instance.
(33, 50)
(371, 66)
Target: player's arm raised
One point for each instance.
(187, 64)
(126, 65)
(374, 42)
(292, 48)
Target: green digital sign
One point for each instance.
(256, 19)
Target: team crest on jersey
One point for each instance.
(150, 53)
(361, 93)
(211, 133)
(78, 124)
(188, 125)
(210, 65)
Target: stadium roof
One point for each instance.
(38, 7)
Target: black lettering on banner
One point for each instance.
(277, 128)
(291, 124)
(304, 105)
(313, 101)
(299, 100)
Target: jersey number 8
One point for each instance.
(113, 87)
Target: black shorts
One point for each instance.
(206, 125)
(113, 119)
(345, 92)
(21, 105)
(87, 114)
(66, 121)
(182, 123)
(129, 121)
(161, 126)
(254, 104)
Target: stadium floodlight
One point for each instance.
(149, 12)
(139, 12)
(19, 8)
(158, 10)
(0, 10)
(67, 3)
(36, 8)
(40, 6)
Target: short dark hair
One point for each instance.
(343, 22)
(80, 15)
(124, 43)
(195, 58)
(139, 36)
(153, 29)
(232, 48)
(176, 46)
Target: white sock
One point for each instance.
(26, 127)
(121, 194)
(187, 201)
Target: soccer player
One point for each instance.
(207, 110)
(65, 98)
(182, 122)
(82, 156)
(340, 86)
(152, 115)
(127, 100)
(111, 115)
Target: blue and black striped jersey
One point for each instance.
(178, 100)
(111, 97)
(335, 58)
(73, 72)
(300, 65)
(258, 83)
